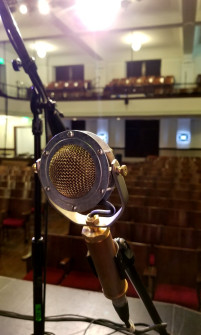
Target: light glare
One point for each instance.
(97, 14)
(43, 7)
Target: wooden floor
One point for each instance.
(13, 247)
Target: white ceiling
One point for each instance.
(171, 26)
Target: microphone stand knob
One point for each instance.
(17, 64)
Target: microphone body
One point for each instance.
(103, 250)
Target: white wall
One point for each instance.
(196, 133)
(169, 128)
(116, 133)
(114, 127)
(101, 72)
(7, 125)
(167, 137)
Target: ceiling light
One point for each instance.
(23, 9)
(42, 48)
(97, 14)
(41, 52)
(136, 40)
(136, 44)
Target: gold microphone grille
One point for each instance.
(72, 171)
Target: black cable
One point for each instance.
(75, 318)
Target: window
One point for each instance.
(134, 69)
(143, 68)
(78, 125)
(69, 72)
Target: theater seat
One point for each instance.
(19, 211)
(177, 277)
(82, 280)
(176, 294)
(53, 276)
(131, 292)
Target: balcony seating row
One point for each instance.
(75, 89)
(155, 86)
(147, 85)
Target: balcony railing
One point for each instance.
(125, 88)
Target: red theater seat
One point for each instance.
(19, 211)
(53, 276)
(176, 294)
(131, 292)
(82, 280)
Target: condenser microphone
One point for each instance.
(103, 251)
(78, 170)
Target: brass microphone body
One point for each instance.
(103, 251)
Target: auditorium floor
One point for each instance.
(13, 247)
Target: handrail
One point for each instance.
(22, 92)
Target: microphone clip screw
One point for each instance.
(123, 170)
(119, 169)
(100, 151)
(34, 168)
(45, 153)
(70, 133)
(92, 220)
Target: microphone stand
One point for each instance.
(39, 102)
